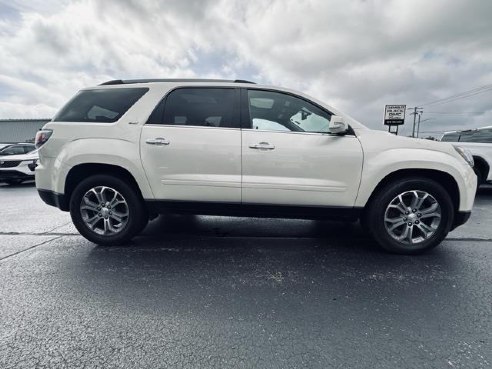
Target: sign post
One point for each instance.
(394, 116)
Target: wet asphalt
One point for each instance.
(219, 292)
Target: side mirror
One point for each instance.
(337, 125)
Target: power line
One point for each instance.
(455, 113)
(461, 95)
(464, 97)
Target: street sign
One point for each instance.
(394, 115)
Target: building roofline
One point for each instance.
(25, 120)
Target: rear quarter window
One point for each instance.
(100, 105)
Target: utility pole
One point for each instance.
(416, 110)
(418, 126)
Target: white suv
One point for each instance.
(17, 163)
(479, 143)
(125, 151)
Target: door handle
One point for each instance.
(262, 146)
(159, 141)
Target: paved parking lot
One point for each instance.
(199, 292)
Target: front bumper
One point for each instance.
(9, 174)
(17, 169)
(468, 190)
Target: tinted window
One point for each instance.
(485, 135)
(275, 111)
(466, 136)
(105, 106)
(210, 107)
(29, 148)
(451, 137)
(482, 136)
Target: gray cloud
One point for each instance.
(357, 55)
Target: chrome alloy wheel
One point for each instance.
(104, 210)
(412, 217)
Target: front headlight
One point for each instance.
(30, 161)
(465, 154)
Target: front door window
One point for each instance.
(275, 111)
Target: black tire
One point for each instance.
(137, 212)
(375, 214)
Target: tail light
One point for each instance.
(42, 136)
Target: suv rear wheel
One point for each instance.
(106, 210)
(410, 216)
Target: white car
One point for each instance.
(17, 163)
(479, 143)
(124, 151)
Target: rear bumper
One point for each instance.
(54, 199)
(461, 218)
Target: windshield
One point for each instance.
(16, 150)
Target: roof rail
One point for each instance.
(243, 81)
(131, 81)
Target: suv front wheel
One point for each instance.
(107, 210)
(410, 216)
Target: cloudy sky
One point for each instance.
(356, 55)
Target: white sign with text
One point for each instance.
(394, 115)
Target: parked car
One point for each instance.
(124, 151)
(17, 163)
(479, 142)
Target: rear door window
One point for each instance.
(209, 107)
(100, 105)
